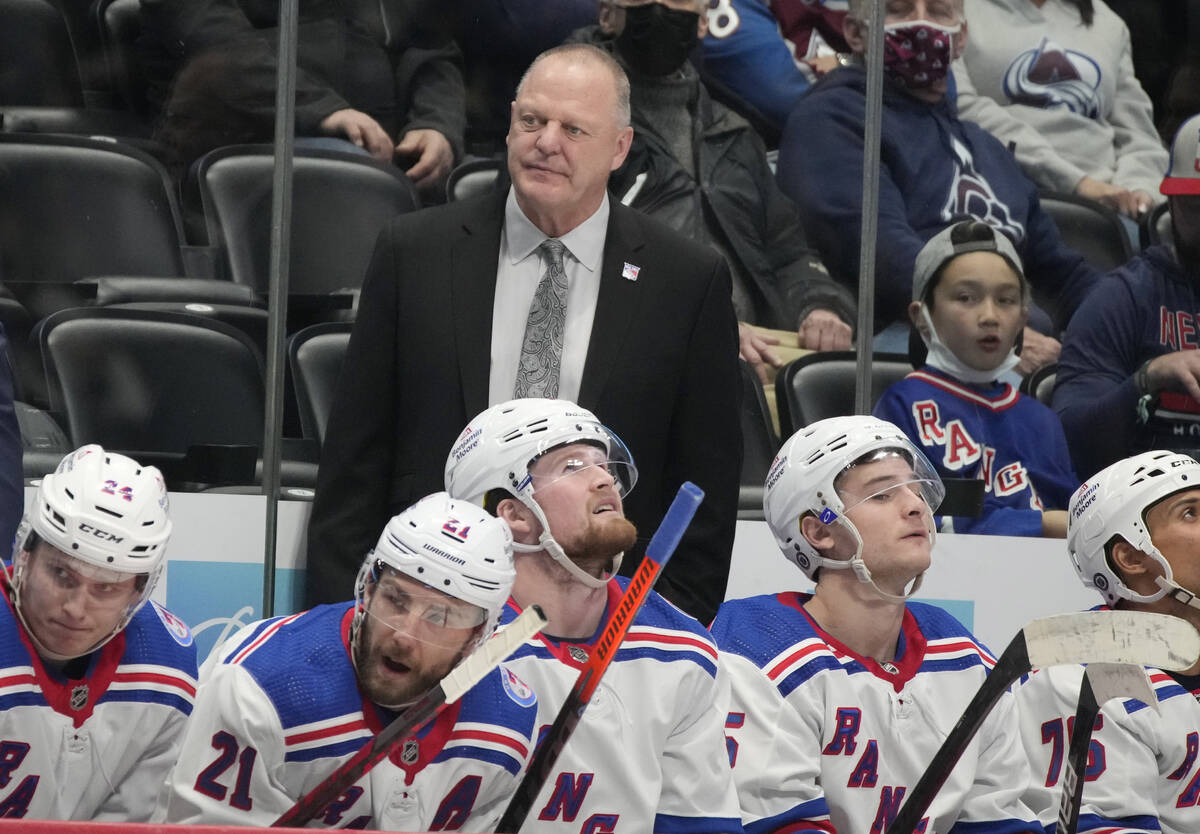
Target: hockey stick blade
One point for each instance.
(1101, 682)
(662, 546)
(465, 675)
(1133, 637)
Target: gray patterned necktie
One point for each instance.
(541, 351)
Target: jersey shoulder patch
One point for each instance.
(175, 627)
(516, 689)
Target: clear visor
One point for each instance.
(586, 459)
(912, 472)
(412, 608)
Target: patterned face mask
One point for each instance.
(918, 53)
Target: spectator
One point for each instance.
(648, 338)
(1131, 537)
(293, 698)
(651, 748)
(382, 76)
(700, 168)
(98, 683)
(841, 697)
(970, 302)
(1054, 81)
(1129, 378)
(935, 170)
(769, 52)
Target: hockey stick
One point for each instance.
(1101, 683)
(452, 687)
(1133, 637)
(661, 546)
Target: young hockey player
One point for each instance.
(649, 753)
(285, 701)
(1134, 536)
(96, 685)
(840, 698)
(970, 302)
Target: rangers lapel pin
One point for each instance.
(630, 272)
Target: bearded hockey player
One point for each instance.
(841, 697)
(97, 684)
(1134, 535)
(649, 752)
(285, 701)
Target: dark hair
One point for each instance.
(968, 231)
(1087, 11)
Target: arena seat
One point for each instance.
(153, 383)
(1040, 383)
(759, 445)
(1092, 230)
(821, 385)
(37, 61)
(340, 202)
(1156, 226)
(315, 355)
(474, 176)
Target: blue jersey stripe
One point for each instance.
(22, 699)
(673, 824)
(814, 809)
(326, 751)
(147, 696)
(466, 751)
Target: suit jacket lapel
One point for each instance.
(473, 258)
(616, 304)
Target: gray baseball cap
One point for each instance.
(959, 239)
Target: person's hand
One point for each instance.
(822, 64)
(1178, 372)
(1037, 351)
(755, 348)
(824, 330)
(1054, 524)
(433, 154)
(360, 129)
(1129, 203)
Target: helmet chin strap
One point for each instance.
(1175, 591)
(547, 543)
(863, 573)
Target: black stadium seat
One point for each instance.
(315, 355)
(822, 385)
(1093, 230)
(37, 62)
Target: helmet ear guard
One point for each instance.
(499, 446)
(1113, 505)
(804, 481)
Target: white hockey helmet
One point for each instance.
(1114, 503)
(453, 547)
(497, 448)
(803, 478)
(108, 512)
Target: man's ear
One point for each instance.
(520, 519)
(817, 533)
(1130, 562)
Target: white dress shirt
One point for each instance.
(518, 272)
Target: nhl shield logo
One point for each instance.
(79, 697)
(408, 754)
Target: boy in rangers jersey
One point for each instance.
(95, 685)
(840, 698)
(286, 701)
(648, 754)
(1134, 536)
(970, 303)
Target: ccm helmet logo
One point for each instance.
(102, 535)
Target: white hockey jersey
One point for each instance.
(823, 739)
(95, 748)
(648, 754)
(279, 709)
(1142, 773)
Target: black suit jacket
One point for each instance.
(661, 371)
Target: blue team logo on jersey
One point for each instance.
(516, 688)
(1051, 76)
(176, 627)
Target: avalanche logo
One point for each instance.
(176, 627)
(517, 689)
(972, 196)
(1051, 76)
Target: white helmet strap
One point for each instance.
(547, 542)
(861, 571)
(1175, 591)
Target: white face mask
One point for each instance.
(940, 357)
